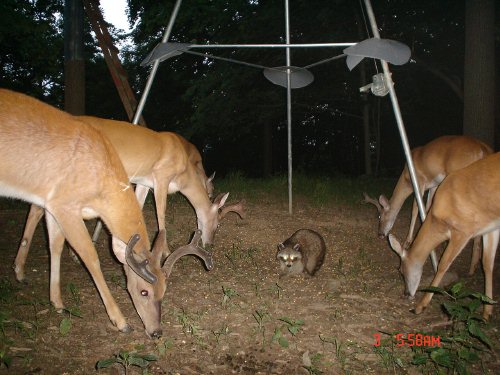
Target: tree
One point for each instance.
(479, 76)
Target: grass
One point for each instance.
(319, 190)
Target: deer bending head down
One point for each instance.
(466, 205)
(73, 173)
(166, 163)
(162, 161)
(432, 162)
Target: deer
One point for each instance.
(464, 207)
(162, 161)
(432, 162)
(73, 173)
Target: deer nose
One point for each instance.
(156, 334)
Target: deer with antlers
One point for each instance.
(433, 162)
(73, 173)
(464, 207)
(162, 161)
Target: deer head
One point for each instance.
(410, 269)
(215, 214)
(385, 214)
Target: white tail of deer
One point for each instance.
(466, 205)
(162, 161)
(433, 162)
(73, 172)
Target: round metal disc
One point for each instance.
(299, 77)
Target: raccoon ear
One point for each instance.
(296, 247)
(281, 246)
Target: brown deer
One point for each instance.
(73, 173)
(432, 162)
(465, 206)
(162, 161)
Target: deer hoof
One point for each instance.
(126, 329)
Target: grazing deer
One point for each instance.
(465, 206)
(433, 162)
(163, 161)
(73, 172)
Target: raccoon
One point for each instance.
(304, 251)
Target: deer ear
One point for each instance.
(119, 249)
(396, 246)
(384, 202)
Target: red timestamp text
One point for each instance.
(412, 339)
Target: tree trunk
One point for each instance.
(74, 63)
(479, 70)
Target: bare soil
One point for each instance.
(230, 320)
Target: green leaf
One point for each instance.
(283, 342)
(443, 358)
(474, 305)
(150, 357)
(419, 359)
(433, 289)
(138, 361)
(484, 298)
(456, 288)
(105, 363)
(475, 330)
(65, 326)
(468, 355)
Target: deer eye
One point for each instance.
(144, 293)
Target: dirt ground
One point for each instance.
(239, 318)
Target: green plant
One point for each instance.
(224, 330)
(127, 360)
(227, 295)
(312, 363)
(188, 323)
(391, 358)
(466, 341)
(276, 289)
(290, 325)
(5, 358)
(162, 345)
(74, 292)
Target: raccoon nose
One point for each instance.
(288, 265)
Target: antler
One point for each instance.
(140, 268)
(373, 201)
(235, 207)
(191, 249)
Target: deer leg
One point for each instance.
(141, 192)
(490, 244)
(34, 216)
(455, 246)
(160, 191)
(476, 256)
(56, 244)
(414, 214)
(77, 235)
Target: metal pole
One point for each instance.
(142, 102)
(401, 127)
(280, 45)
(152, 74)
(289, 107)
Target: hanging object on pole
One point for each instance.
(299, 77)
(164, 51)
(379, 86)
(389, 50)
